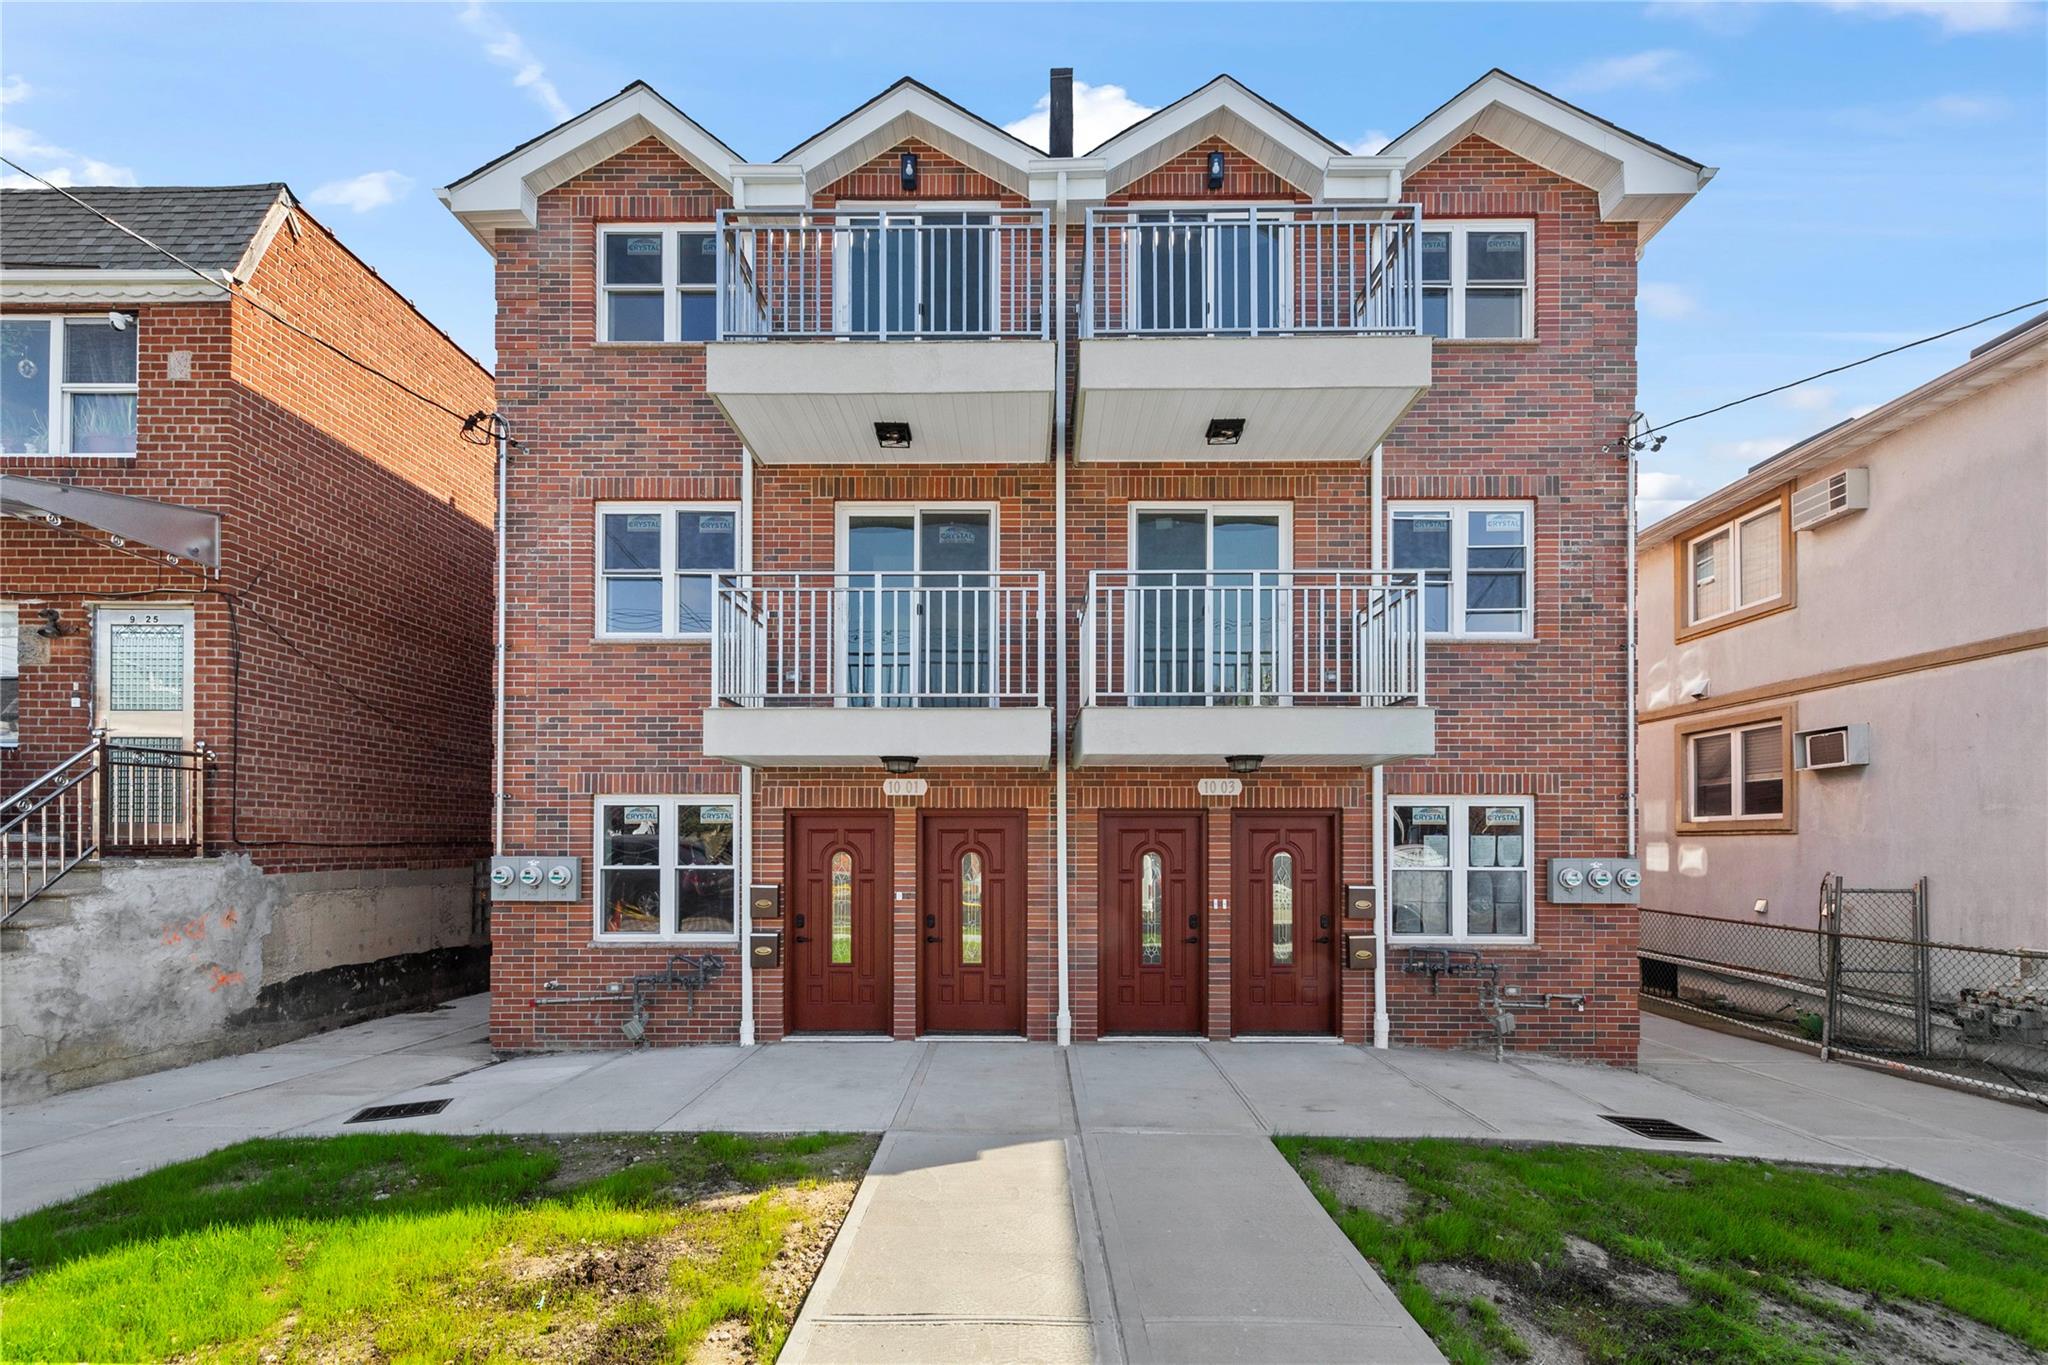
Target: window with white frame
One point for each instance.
(10, 676)
(1476, 280)
(656, 566)
(67, 385)
(1736, 566)
(1736, 773)
(1475, 562)
(1461, 868)
(665, 867)
(658, 283)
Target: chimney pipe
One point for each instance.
(1061, 139)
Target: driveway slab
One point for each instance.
(1168, 1087)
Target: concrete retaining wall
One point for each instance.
(150, 964)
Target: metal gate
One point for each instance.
(1874, 955)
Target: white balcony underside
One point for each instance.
(1301, 397)
(1283, 736)
(817, 402)
(858, 736)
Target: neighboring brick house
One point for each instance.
(951, 570)
(223, 538)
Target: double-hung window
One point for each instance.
(67, 386)
(1737, 773)
(1461, 868)
(657, 566)
(1737, 568)
(1475, 562)
(665, 867)
(658, 283)
(1476, 280)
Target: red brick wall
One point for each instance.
(356, 573)
(1520, 420)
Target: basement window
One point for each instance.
(665, 868)
(660, 283)
(67, 386)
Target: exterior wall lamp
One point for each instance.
(899, 764)
(1244, 763)
(909, 172)
(1215, 170)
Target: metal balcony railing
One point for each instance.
(1255, 270)
(882, 274)
(878, 639)
(1287, 637)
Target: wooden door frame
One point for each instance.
(1020, 938)
(1333, 897)
(1199, 868)
(790, 818)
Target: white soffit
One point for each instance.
(504, 193)
(1225, 109)
(908, 110)
(1637, 181)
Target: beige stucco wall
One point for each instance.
(1953, 551)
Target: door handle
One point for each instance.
(1322, 938)
(931, 938)
(1192, 938)
(800, 938)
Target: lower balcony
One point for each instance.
(1245, 670)
(879, 669)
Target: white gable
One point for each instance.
(907, 110)
(1224, 109)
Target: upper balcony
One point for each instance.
(938, 322)
(1200, 668)
(849, 669)
(1259, 332)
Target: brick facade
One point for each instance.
(1545, 718)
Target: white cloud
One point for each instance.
(1371, 144)
(1659, 493)
(505, 47)
(1942, 111)
(370, 190)
(1661, 68)
(1722, 18)
(1100, 113)
(1665, 301)
(1954, 16)
(13, 90)
(1809, 398)
(58, 165)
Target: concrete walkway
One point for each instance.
(1110, 1201)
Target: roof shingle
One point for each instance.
(208, 225)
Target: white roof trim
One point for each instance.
(505, 194)
(908, 110)
(172, 285)
(1224, 109)
(2022, 351)
(1637, 181)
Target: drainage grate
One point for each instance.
(416, 1109)
(1661, 1130)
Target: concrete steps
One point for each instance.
(51, 908)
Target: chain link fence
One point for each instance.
(1978, 1016)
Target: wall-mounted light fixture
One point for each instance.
(1225, 431)
(892, 435)
(1244, 763)
(899, 764)
(1215, 170)
(909, 172)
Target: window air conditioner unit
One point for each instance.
(1838, 746)
(1838, 495)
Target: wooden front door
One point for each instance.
(1149, 916)
(841, 870)
(971, 922)
(1283, 951)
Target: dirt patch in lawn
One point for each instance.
(1463, 1287)
(1899, 1330)
(1361, 1187)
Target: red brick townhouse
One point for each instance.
(1176, 589)
(264, 573)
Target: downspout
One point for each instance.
(745, 813)
(1064, 1024)
(1382, 1027)
(1630, 456)
(498, 662)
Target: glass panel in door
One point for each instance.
(1205, 608)
(919, 615)
(927, 274)
(880, 610)
(143, 697)
(958, 608)
(1197, 271)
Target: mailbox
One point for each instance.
(1358, 951)
(1358, 902)
(765, 902)
(764, 948)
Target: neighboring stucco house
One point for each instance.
(265, 573)
(1845, 665)
(962, 587)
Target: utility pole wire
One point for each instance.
(226, 282)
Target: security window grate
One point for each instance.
(1659, 1130)
(378, 1113)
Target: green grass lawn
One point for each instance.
(1570, 1253)
(420, 1247)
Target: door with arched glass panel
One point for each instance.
(1150, 921)
(840, 950)
(1283, 955)
(971, 904)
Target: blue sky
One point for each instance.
(1884, 163)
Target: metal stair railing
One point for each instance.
(51, 826)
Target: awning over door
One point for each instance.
(185, 532)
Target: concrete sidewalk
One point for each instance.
(1109, 1201)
